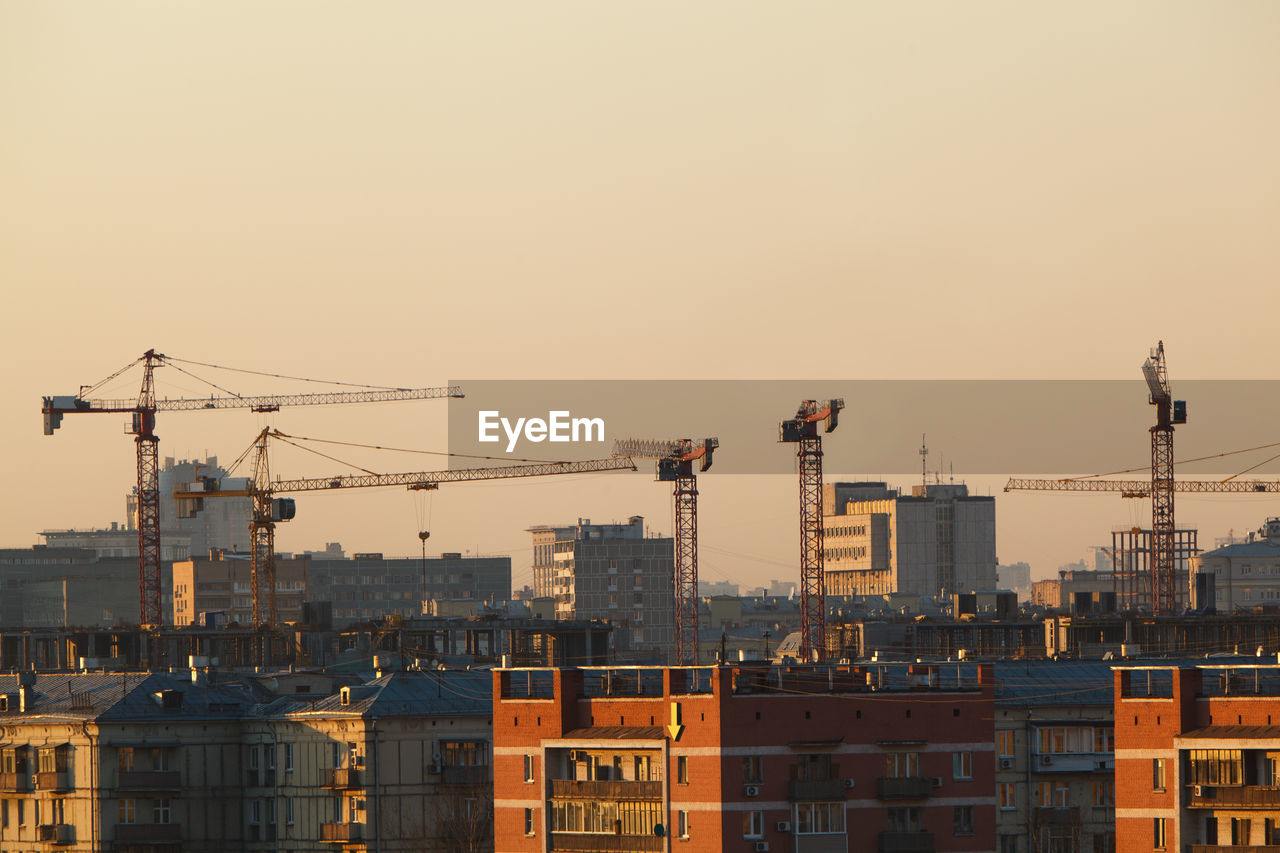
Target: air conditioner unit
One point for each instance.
(782, 826)
(436, 758)
(1006, 764)
(1104, 765)
(751, 791)
(937, 781)
(762, 847)
(575, 755)
(433, 768)
(848, 783)
(1046, 760)
(1198, 790)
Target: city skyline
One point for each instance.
(727, 191)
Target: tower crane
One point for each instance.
(268, 510)
(1164, 583)
(803, 430)
(143, 411)
(675, 465)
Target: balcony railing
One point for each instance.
(583, 842)
(1246, 797)
(612, 789)
(1229, 848)
(149, 833)
(56, 781)
(817, 789)
(904, 787)
(14, 783)
(149, 780)
(464, 775)
(906, 842)
(1057, 815)
(342, 778)
(54, 833)
(340, 831)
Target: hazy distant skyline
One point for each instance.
(412, 192)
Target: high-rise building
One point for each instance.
(748, 757)
(612, 572)
(1197, 758)
(937, 541)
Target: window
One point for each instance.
(1104, 793)
(54, 759)
(1215, 767)
(255, 812)
(288, 811)
(962, 820)
(1008, 844)
(906, 819)
(1158, 830)
(528, 820)
(253, 758)
(128, 811)
(1158, 775)
(682, 823)
(753, 824)
(1004, 744)
(962, 765)
(124, 759)
(465, 753)
(1104, 740)
(902, 765)
(682, 770)
(1066, 739)
(1008, 792)
(819, 818)
(753, 768)
(288, 758)
(337, 756)
(528, 767)
(271, 812)
(1045, 793)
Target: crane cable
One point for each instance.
(1195, 459)
(285, 376)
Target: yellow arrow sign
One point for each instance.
(675, 728)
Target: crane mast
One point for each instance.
(675, 465)
(803, 430)
(142, 412)
(1164, 582)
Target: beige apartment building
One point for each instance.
(205, 762)
(220, 583)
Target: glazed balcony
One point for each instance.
(904, 787)
(1236, 797)
(611, 789)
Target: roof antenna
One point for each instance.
(924, 462)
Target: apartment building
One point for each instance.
(1055, 761)
(372, 586)
(611, 572)
(1245, 574)
(810, 759)
(48, 586)
(146, 763)
(222, 583)
(1197, 758)
(937, 541)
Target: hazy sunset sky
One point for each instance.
(412, 193)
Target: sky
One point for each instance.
(409, 193)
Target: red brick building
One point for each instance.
(810, 759)
(1197, 758)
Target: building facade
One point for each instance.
(747, 757)
(1245, 574)
(221, 583)
(937, 541)
(1197, 758)
(615, 573)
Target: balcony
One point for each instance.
(1242, 797)
(464, 775)
(55, 781)
(149, 780)
(341, 778)
(817, 789)
(906, 842)
(149, 833)
(905, 787)
(340, 832)
(14, 783)
(582, 842)
(54, 833)
(1057, 815)
(611, 789)
(1225, 848)
(259, 832)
